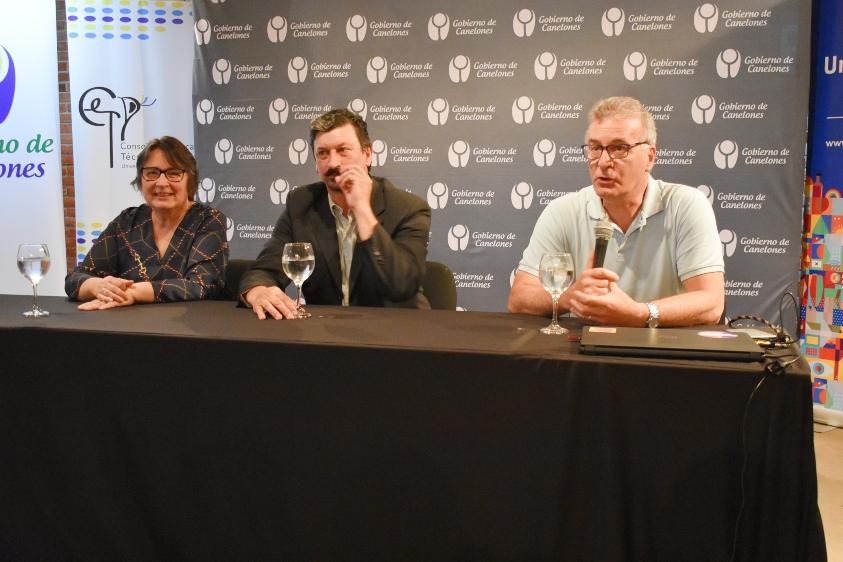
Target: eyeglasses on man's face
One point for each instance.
(152, 174)
(615, 151)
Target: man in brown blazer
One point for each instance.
(369, 237)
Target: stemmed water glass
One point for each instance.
(298, 262)
(33, 263)
(556, 271)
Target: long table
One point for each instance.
(196, 432)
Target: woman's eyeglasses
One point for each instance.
(152, 174)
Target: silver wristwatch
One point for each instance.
(653, 318)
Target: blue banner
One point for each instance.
(822, 312)
(825, 152)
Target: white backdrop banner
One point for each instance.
(30, 159)
(130, 81)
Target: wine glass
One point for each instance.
(298, 262)
(33, 263)
(556, 271)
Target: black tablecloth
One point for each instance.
(196, 432)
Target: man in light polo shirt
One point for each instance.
(664, 263)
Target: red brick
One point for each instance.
(66, 139)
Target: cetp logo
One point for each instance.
(207, 190)
(458, 236)
(438, 111)
(355, 28)
(706, 17)
(708, 192)
(298, 152)
(100, 107)
(729, 241)
(278, 191)
(379, 152)
(7, 83)
(459, 69)
(279, 111)
(523, 109)
(223, 151)
(728, 63)
(297, 70)
(703, 109)
(437, 195)
(544, 153)
(221, 71)
(545, 66)
(524, 22)
(205, 112)
(458, 154)
(438, 26)
(276, 29)
(612, 22)
(202, 31)
(376, 70)
(359, 106)
(521, 195)
(635, 66)
(726, 154)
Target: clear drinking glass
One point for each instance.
(298, 262)
(556, 272)
(33, 263)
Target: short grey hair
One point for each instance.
(622, 106)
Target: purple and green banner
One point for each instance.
(30, 165)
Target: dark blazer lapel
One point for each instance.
(378, 208)
(325, 233)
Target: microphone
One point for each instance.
(602, 234)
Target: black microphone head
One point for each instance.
(603, 230)
(602, 234)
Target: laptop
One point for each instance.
(686, 343)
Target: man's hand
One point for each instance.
(529, 296)
(596, 297)
(272, 301)
(595, 281)
(356, 185)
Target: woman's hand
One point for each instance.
(106, 289)
(106, 302)
(107, 292)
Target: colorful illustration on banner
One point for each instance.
(820, 391)
(822, 311)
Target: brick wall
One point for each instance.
(68, 188)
